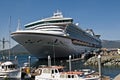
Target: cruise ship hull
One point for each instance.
(41, 45)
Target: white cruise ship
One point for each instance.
(56, 36)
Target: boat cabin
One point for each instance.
(71, 75)
(8, 65)
(48, 72)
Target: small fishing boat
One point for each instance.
(9, 69)
(87, 71)
(45, 73)
(57, 73)
(77, 75)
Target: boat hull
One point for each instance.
(41, 45)
(13, 74)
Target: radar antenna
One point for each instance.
(58, 14)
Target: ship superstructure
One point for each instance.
(56, 36)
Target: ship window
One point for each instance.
(69, 76)
(3, 67)
(52, 71)
(55, 30)
(11, 66)
(26, 42)
(39, 41)
(29, 40)
(72, 76)
(56, 71)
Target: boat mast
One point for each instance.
(9, 37)
(18, 27)
(3, 43)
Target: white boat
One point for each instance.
(87, 71)
(10, 69)
(56, 73)
(56, 36)
(77, 75)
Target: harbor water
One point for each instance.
(111, 71)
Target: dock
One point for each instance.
(105, 78)
(117, 77)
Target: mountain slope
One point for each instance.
(19, 49)
(111, 44)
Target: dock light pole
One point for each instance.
(15, 58)
(49, 61)
(29, 60)
(69, 62)
(99, 65)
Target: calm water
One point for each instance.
(76, 65)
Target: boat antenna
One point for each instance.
(3, 42)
